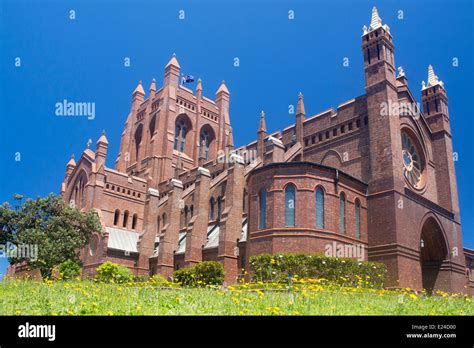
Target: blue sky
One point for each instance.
(83, 60)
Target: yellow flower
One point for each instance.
(413, 296)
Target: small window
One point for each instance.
(290, 196)
(327, 135)
(313, 139)
(125, 219)
(116, 217)
(342, 213)
(319, 208)
(357, 218)
(358, 123)
(350, 126)
(365, 120)
(134, 221)
(334, 132)
(320, 136)
(263, 209)
(343, 129)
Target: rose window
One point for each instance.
(412, 162)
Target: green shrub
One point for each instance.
(110, 272)
(204, 273)
(69, 269)
(283, 268)
(158, 280)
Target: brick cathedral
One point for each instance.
(373, 173)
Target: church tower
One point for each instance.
(435, 107)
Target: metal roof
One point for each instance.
(212, 236)
(120, 239)
(181, 243)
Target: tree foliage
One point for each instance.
(58, 231)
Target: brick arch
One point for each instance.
(184, 120)
(209, 130)
(77, 189)
(433, 250)
(332, 158)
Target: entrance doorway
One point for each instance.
(433, 251)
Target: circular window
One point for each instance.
(413, 165)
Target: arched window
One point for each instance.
(134, 221)
(211, 208)
(138, 141)
(262, 222)
(290, 196)
(180, 136)
(357, 218)
(116, 217)
(163, 219)
(125, 218)
(152, 126)
(205, 141)
(319, 208)
(342, 213)
(186, 216)
(158, 224)
(219, 208)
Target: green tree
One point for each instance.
(59, 231)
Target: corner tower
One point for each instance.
(435, 107)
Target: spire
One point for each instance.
(300, 108)
(153, 86)
(103, 139)
(72, 162)
(263, 125)
(222, 88)
(199, 91)
(173, 62)
(433, 80)
(139, 89)
(375, 22)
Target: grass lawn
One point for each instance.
(24, 297)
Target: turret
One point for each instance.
(435, 103)
(199, 90)
(300, 117)
(138, 95)
(435, 108)
(222, 102)
(70, 166)
(101, 151)
(172, 70)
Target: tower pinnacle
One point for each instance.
(139, 89)
(174, 62)
(300, 108)
(433, 80)
(262, 127)
(375, 23)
